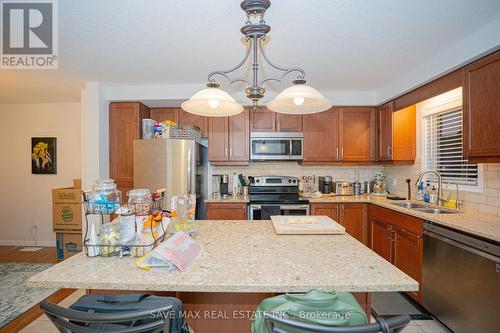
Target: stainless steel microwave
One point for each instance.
(269, 146)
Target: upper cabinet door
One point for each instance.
(288, 122)
(162, 114)
(125, 126)
(481, 109)
(320, 136)
(218, 139)
(404, 134)
(239, 137)
(384, 128)
(262, 120)
(357, 134)
(201, 122)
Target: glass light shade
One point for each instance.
(212, 102)
(299, 99)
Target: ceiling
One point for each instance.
(344, 45)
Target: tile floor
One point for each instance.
(43, 324)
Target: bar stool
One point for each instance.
(155, 319)
(392, 324)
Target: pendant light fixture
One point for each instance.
(297, 99)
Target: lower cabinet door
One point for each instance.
(381, 238)
(226, 211)
(353, 217)
(408, 256)
(327, 209)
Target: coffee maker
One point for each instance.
(224, 185)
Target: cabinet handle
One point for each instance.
(342, 152)
(278, 125)
(231, 152)
(225, 152)
(390, 151)
(337, 153)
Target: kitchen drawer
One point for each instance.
(400, 220)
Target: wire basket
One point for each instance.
(139, 211)
(186, 132)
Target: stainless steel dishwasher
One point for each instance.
(461, 282)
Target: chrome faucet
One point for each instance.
(440, 198)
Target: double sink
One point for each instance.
(425, 208)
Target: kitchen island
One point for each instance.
(241, 263)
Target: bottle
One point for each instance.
(433, 195)
(420, 191)
(427, 193)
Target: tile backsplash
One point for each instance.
(297, 170)
(487, 201)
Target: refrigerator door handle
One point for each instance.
(189, 171)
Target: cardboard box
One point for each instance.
(67, 208)
(68, 244)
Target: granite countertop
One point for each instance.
(243, 256)
(229, 199)
(481, 224)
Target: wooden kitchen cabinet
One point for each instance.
(384, 129)
(288, 122)
(264, 120)
(408, 249)
(125, 126)
(353, 217)
(228, 139)
(218, 139)
(186, 118)
(226, 211)
(380, 238)
(340, 135)
(396, 134)
(327, 209)
(481, 109)
(163, 114)
(356, 130)
(320, 137)
(239, 137)
(398, 238)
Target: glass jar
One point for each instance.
(105, 198)
(139, 200)
(110, 239)
(183, 213)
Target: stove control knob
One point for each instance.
(257, 181)
(289, 180)
(294, 181)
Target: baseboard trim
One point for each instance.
(7, 242)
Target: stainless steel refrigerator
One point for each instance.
(179, 166)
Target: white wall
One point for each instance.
(25, 198)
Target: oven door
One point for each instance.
(254, 210)
(276, 148)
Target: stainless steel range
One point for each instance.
(275, 195)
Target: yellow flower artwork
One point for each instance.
(43, 156)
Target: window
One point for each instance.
(443, 135)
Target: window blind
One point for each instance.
(443, 148)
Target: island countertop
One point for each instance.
(243, 256)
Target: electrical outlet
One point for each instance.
(35, 224)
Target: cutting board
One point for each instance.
(306, 225)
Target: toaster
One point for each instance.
(344, 188)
